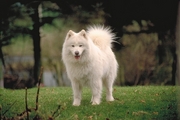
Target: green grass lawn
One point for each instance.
(142, 102)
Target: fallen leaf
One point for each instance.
(140, 113)
(90, 117)
(155, 113)
(143, 101)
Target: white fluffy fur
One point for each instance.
(89, 60)
(101, 36)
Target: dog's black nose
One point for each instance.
(76, 52)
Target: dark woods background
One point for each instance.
(32, 33)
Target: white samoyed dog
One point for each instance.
(89, 60)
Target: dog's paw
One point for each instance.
(109, 98)
(95, 103)
(95, 100)
(76, 102)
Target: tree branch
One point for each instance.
(39, 81)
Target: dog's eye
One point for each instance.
(72, 45)
(80, 45)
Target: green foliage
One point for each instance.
(138, 57)
(83, 18)
(21, 45)
(20, 16)
(145, 59)
(148, 102)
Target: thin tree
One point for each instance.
(36, 41)
(178, 46)
(178, 56)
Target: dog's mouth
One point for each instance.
(77, 56)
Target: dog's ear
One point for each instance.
(83, 33)
(69, 34)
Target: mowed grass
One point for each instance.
(131, 103)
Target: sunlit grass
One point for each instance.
(148, 102)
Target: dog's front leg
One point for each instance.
(96, 88)
(77, 89)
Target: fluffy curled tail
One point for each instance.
(101, 36)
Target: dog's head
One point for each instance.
(77, 43)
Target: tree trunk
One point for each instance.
(178, 57)
(36, 42)
(1, 75)
(178, 46)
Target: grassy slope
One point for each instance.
(150, 102)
